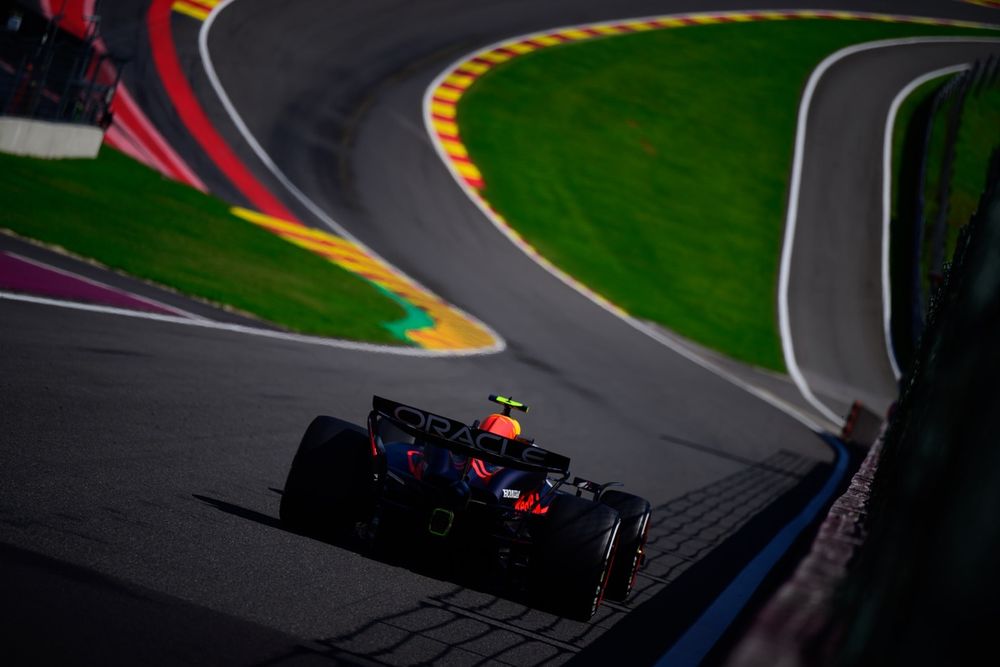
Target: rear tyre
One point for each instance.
(330, 487)
(574, 548)
(634, 512)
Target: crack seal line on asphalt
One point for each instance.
(454, 332)
(440, 111)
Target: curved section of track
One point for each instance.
(833, 292)
(144, 460)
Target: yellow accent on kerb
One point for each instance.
(445, 127)
(495, 56)
(520, 47)
(474, 67)
(454, 148)
(468, 169)
(451, 329)
(459, 80)
(444, 100)
(189, 10)
(547, 40)
(443, 109)
(447, 94)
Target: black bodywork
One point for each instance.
(415, 482)
(445, 479)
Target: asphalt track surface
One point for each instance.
(835, 296)
(143, 460)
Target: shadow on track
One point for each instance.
(697, 543)
(440, 563)
(58, 613)
(700, 543)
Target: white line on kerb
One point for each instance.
(206, 58)
(887, 201)
(762, 394)
(98, 283)
(243, 329)
(787, 345)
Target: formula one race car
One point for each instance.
(421, 479)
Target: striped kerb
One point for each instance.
(452, 330)
(442, 104)
(196, 9)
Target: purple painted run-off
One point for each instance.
(18, 275)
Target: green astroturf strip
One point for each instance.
(128, 217)
(654, 166)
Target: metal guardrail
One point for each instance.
(48, 74)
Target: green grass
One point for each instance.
(978, 136)
(904, 116)
(653, 167)
(128, 217)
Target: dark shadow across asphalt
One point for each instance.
(58, 613)
(649, 624)
(650, 630)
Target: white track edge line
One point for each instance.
(98, 283)
(243, 329)
(788, 347)
(206, 59)
(890, 124)
(639, 325)
(586, 292)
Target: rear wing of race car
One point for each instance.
(467, 440)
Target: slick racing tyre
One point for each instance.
(634, 512)
(574, 548)
(329, 486)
